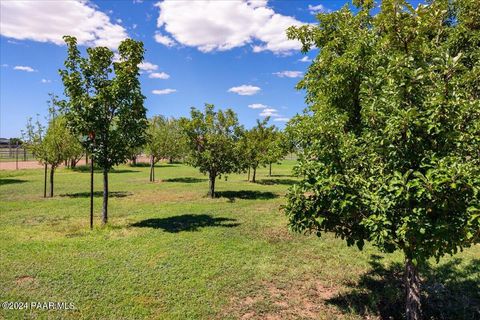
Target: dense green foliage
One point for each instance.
(391, 141)
(212, 138)
(105, 103)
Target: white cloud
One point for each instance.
(320, 8)
(45, 81)
(24, 68)
(288, 74)
(281, 119)
(49, 21)
(159, 75)
(223, 25)
(163, 91)
(269, 112)
(257, 106)
(245, 90)
(305, 59)
(165, 40)
(147, 66)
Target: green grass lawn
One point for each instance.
(169, 252)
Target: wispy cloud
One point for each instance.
(245, 90)
(257, 106)
(165, 40)
(288, 74)
(320, 8)
(305, 59)
(147, 66)
(163, 91)
(45, 81)
(159, 75)
(24, 68)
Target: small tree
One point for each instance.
(276, 149)
(105, 104)
(33, 137)
(389, 148)
(213, 138)
(257, 146)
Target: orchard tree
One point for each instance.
(212, 137)
(277, 149)
(166, 140)
(257, 146)
(33, 137)
(105, 104)
(390, 145)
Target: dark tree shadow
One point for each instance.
(288, 182)
(281, 175)
(11, 181)
(448, 291)
(86, 168)
(111, 194)
(185, 222)
(246, 194)
(185, 180)
(146, 164)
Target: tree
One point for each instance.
(277, 149)
(257, 146)
(213, 138)
(166, 140)
(105, 104)
(32, 138)
(390, 145)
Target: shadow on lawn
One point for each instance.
(10, 181)
(86, 168)
(111, 194)
(246, 194)
(185, 180)
(288, 182)
(185, 222)
(147, 165)
(448, 291)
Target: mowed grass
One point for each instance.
(169, 252)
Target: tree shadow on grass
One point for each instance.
(11, 181)
(246, 194)
(268, 182)
(86, 168)
(185, 180)
(111, 194)
(448, 291)
(186, 222)
(146, 164)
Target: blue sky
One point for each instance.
(229, 53)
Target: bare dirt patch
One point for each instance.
(24, 280)
(298, 300)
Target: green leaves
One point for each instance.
(389, 147)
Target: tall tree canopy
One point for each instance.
(390, 145)
(212, 137)
(105, 103)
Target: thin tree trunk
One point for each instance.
(170, 160)
(248, 179)
(270, 170)
(45, 182)
(52, 172)
(211, 185)
(91, 193)
(254, 174)
(134, 160)
(151, 169)
(86, 158)
(412, 289)
(105, 197)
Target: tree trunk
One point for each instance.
(151, 168)
(52, 172)
(170, 160)
(254, 174)
(211, 185)
(91, 193)
(412, 290)
(270, 170)
(248, 179)
(105, 197)
(45, 182)
(134, 160)
(86, 158)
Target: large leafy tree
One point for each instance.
(390, 146)
(212, 137)
(166, 140)
(105, 103)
